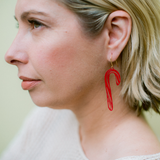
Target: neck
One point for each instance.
(96, 121)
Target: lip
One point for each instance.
(29, 83)
(28, 79)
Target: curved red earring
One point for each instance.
(108, 87)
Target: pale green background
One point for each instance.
(15, 103)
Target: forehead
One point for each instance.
(46, 6)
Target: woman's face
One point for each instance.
(57, 62)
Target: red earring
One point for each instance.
(107, 84)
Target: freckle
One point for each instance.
(66, 32)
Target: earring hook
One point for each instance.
(111, 60)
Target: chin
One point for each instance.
(40, 102)
(43, 98)
(43, 101)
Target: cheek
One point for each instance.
(55, 59)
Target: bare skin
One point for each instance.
(111, 135)
(124, 135)
(71, 67)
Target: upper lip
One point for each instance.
(28, 79)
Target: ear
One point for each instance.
(119, 26)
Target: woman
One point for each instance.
(65, 52)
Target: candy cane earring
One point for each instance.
(107, 84)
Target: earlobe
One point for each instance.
(119, 27)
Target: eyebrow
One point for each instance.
(26, 14)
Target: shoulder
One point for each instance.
(137, 139)
(144, 157)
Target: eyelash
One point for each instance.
(32, 23)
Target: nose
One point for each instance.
(17, 53)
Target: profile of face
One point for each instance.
(59, 65)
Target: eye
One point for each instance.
(35, 24)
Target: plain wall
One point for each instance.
(15, 103)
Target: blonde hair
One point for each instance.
(140, 58)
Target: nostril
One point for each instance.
(14, 62)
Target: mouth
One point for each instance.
(29, 83)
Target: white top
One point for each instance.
(50, 134)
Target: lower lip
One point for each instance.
(28, 85)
